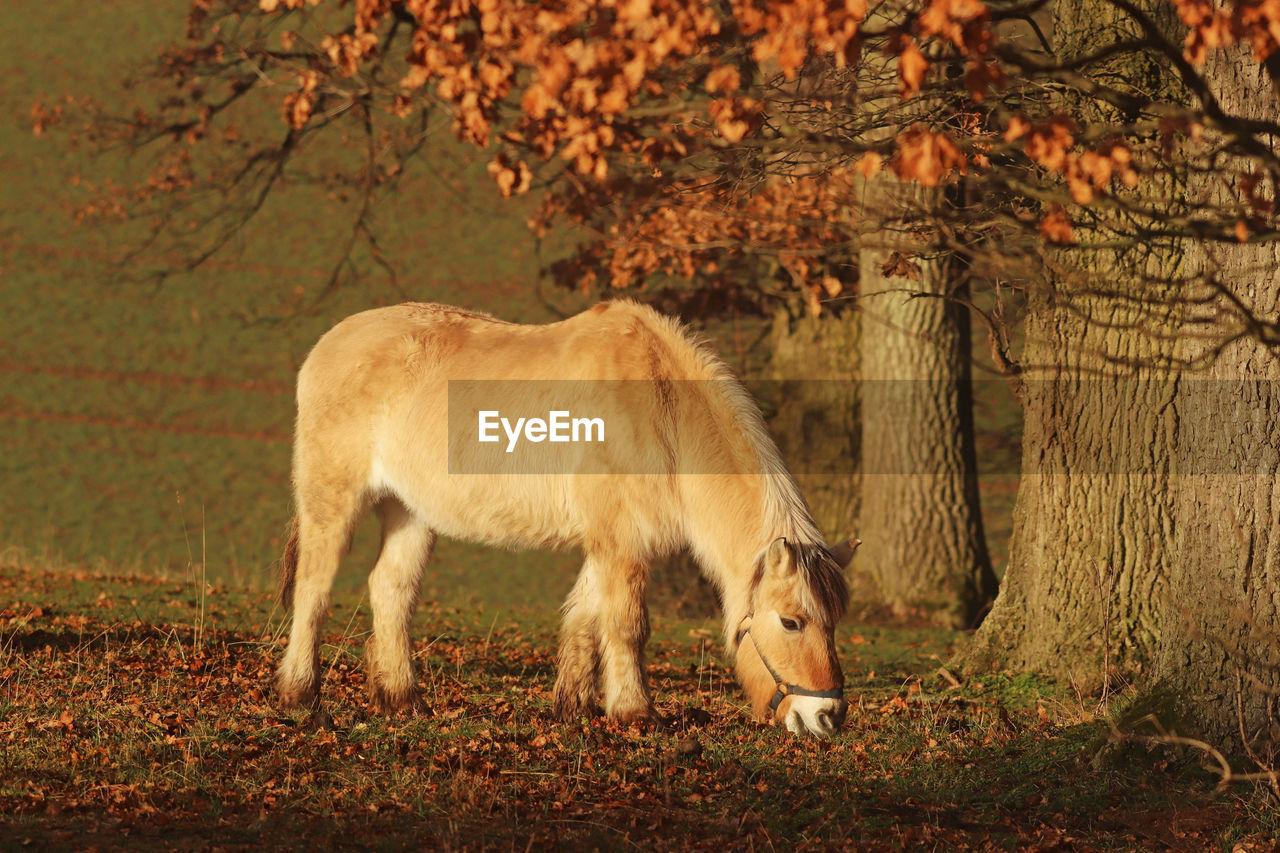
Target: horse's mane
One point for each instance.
(826, 588)
(785, 509)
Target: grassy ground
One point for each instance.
(136, 713)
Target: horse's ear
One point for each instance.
(777, 560)
(843, 552)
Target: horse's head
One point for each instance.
(786, 645)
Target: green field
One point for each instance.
(146, 426)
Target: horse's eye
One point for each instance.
(790, 624)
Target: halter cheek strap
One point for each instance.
(784, 689)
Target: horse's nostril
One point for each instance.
(832, 720)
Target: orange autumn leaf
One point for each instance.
(926, 157)
(733, 116)
(1049, 142)
(297, 108)
(512, 179)
(1207, 28)
(536, 102)
(911, 70)
(898, 265)
(812, 300)
(1253, 188)
(962, 22)
(635, 10)
(869, 164)
(1056, 226)
(723, 80)
(1078, 185)
(982, 77)
(1018, 128)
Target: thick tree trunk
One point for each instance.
(1220, 652)
(1092, 538)
(921, 523)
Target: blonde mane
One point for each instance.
(783, 511)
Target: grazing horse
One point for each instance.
(392, 409)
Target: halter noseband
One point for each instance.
(783, 688)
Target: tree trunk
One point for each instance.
(1091, 529)
(1220, 652)
(921, 524)
(1092, 546)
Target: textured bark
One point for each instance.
(1146, 524)
(1093, 521)
(1092, 539)
(1220, 652)
(921, 522)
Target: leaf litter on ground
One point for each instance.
(138, 713)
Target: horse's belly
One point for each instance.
(507, 511)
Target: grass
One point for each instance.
(136, 712)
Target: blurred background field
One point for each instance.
(145, 426)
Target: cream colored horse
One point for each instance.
(387, 418)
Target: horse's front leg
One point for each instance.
(624, 632)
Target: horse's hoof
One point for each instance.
(291, 697)
(577, 712)
(568, 707)
(320, 721)
(645, 718)
(392, 702)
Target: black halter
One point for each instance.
(784, 689)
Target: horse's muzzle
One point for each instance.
(821, 717)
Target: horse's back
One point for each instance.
(428, 342)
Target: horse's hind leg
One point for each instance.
(578, 663)
(322, 538)
(393, 595)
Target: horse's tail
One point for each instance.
(289, 566)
